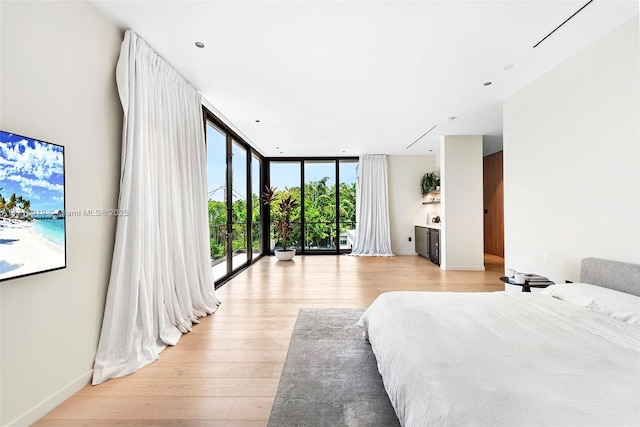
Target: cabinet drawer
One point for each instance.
(422, 241)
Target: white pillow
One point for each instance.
(616, 304)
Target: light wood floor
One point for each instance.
(225, 372)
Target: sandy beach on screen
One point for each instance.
(23, 251)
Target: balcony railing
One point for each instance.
(323, 235)
(218, 239)
(319, 236)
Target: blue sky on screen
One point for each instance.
(32, 169)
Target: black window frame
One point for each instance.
(231, 138)
(267, 215)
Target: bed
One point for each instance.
(567, 356)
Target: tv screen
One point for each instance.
(32, 209)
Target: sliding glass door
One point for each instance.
(233, 183)
(285, 177)
(320, 205)
(239, 206)
(217, 198)
(256, 191)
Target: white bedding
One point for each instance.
(503, 359)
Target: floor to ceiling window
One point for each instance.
(217, 198)
(285, 177)
(348, 171)
(325, 221)
(320, 231)
(256, 225)
(233, 183)
(239, 206)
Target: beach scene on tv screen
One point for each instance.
(32, 219)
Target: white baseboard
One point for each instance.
(463, 268)
(44, 407)
(405, 253)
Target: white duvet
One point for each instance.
(498, 359)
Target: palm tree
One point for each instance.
(12, 202)
(19, 201)
(26, 205)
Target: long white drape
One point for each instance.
(161, 279)
(373, 236)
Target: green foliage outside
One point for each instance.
(218, 230)
(320, 217)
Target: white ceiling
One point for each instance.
(355, 77)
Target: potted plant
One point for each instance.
(430, 182)
(281, 219)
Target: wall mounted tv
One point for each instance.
(32, 209)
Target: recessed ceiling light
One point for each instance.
(200, 45)
(508, 67)
(452, 118)
(281, 152)
(344, 151)
(487, 83)
(430, 151)
(277, 148)
(257, 120)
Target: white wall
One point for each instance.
(57, 77)
(462, 232)
(405, 200)
(572, 161)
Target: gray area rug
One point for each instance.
(330, 376)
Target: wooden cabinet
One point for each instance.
(428, 243)
(422, 241)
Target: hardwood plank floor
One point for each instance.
(226, 371)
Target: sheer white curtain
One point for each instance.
(373, 236)
(161, 279)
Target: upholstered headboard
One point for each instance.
(621, 276)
